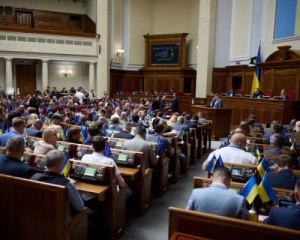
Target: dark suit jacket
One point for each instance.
(285, 140)
(5, 123)
(162, 104)
(229, 93)
(123, 134)
(257, 95)
(32, 131)
(174, 105)
(284, 217)
(155, 105)
(19, 113)
(69, 121)
(14, 167)
(88, 141)
(284, 179)
(192, 124)
(135, 124)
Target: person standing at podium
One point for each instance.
(231, 92)
(218, 101)
(257, 93)
(174, 105)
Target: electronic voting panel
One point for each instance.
(25, 159)
(238, 173)
(123, 158)
(114, 143)
(63, 148)
(40, 163)
(32, 143)
(87, 172)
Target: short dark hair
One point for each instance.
(195, 117)
(93, 130)
(140, 130)
(187, 117)
(284, 160)
(135, 117)
(98, 143)
(102, 111)
(73, 131)
(99, 124)
(155, 121)
(277, 128)
(251, 121)
(222, 173)
(54, 88)
(70, 113)
(158, 128)
(32, 110)
(115, 120)
(60, 108)
(159, 114)
(11, 116)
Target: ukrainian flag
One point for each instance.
(221, 146)
(64, 133)
(104, 130)
(250, 189)
(212, 103)
(181, 134)
(66, 166)
(263, 167)
(256, 77)
(290, 138)
(212, 93)
(3, 130)
(219, 163)
(26, 136)
(148, 132)
(45, 120)
(257, 154)
(193, 101)
(265, 190)
(211, 166)
(160, 145)
(293, 147)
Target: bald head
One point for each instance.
(293, 121)
(123, 115)
(118, 111)
(238, 139)
(238, 130)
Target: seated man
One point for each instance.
(286, 217)
(257, 93)
(168, 131)
(140, 145)
(115, 124)
(180, 124)
(56, 102)
(253, 128)
(99, 125)
(10, 163)
(125, 133)
(70, 117)
(56, 121)
(270, 129)
(135, 121)
(101, 113)
(92, 132)
(117, 113)
(231, 92)
(18, 125)
(201, 119)
(74, 134)
(21, 110)
(124, 117)
(98, 144)
(35, 129)
(82, 121)
(284, 177)
(216, 199)
(276, 142)
(159, 133)
(233, 153)
(277, 129)
(48, 110)
(291, 126)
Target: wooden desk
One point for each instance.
(132, 173)
(264, 109)
(90, 188)
(184, 236)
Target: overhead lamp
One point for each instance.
(66, 73)
(120, 51)
(197, 47)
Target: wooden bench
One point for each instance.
(31, 209)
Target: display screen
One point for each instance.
(119, 144)
(235, 191)
(61, 147)
(236, 171)
(122, 157)
(58, 134)
(22, 159)
(89, 151)
(90, 171)
(35, 143)
(165, 54)
(132, 130)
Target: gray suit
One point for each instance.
(268, 130)
(217, 200)
(274, 150)
(140, 145)
(202, 120)
(290, 126)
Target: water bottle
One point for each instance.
(79, 153)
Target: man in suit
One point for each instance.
(115, 124)
(180, 124)
(286, 217)
(92, 132)
(291, 126)
(125, 133)
(218, 101)
(174, 105)
(10, 163)
(56, 102)
(35, 129)
(21, 110)
(74, 134)
(162, 103)
(192, 124)
(231, 92)
(139, 144)
(276, 143)
(201, 119)
(277, 129)
(70, 117)
(18, 125)
(135, 121)
(252, 126)
(82, 120)
(155, 103)
(270, 129)
(257, 93)
(284, 177)
(216, 199)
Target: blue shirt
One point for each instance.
(233, 146)
(4, 137)
(88, 141)
(57, 102)
(48, 110)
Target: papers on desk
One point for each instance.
(261, 218)
(72, 180)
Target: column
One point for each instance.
(206, 39)
(91, 75)
(103, 62)
(45, 82)
(9, 80)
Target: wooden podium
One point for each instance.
(220, 117)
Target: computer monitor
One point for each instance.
(246, 95)
(61, 147)
(89, 171)
(58, 134)
(278, 97)
(122, 157)
(267, 97)
(237, 171)
(35, 143)
(119, 144)
(89, 151)
(223, 94)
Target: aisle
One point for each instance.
(154, 224)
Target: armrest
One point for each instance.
(77, 229)
(148, 170)
(166, 159)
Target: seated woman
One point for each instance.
(56, 121)
(283, 94)
(48, 143)
(172, 121)
(246, 129)
(257, 93)
(297, 129)
(31, 119)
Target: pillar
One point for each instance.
(45, 82)
(9, 80)
(206, 39)
(103, 62)
(91, 75)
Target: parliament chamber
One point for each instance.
(144, 119)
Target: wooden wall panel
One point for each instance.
(284, 82)
(223, 85)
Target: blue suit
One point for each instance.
(57, 102)
(48, 110)
(116, 128)
(229, 94)
(4, 137)
(218, 103)
(32, 131)
(136, 124)
(174, 105)
(14, 167)
(88, 141)
(285, 140)
(10, 108)
(284, 179)
(217, 200)
(284, 217)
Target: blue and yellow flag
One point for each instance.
(66, 166)
(219, 163)
(221, 146)
(263, 167)
(250, 189)
(212, 93)
(104, 130)
(148, 132)
(285, 132)
(160, 145)
(193, 101)
(257, 154)
(85, 132)
(290, 138)
(64, 133)
(26, 136)
(212, 103)
(227, 141)
(265, 190)
(211, 166)
(181, 134)
(164, 116)
(107, 151)
(294, 147)
(256, 77)
(3, 130)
